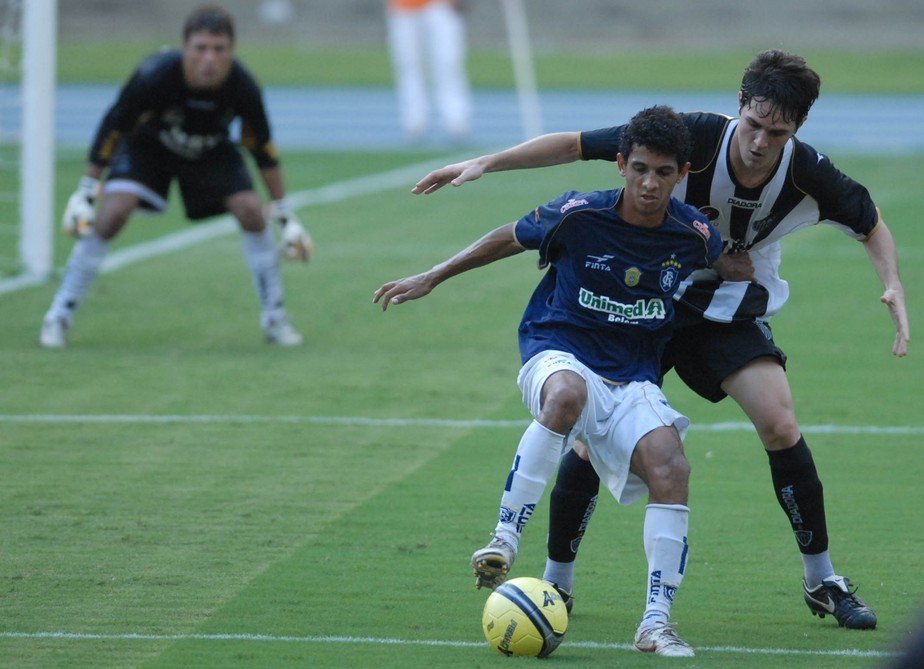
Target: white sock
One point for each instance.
(537, 457)
(82, 267)
(665, 537)
(559, 573)
(262, 258)
(817, 568)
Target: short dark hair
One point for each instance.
(785, 81)
(661, 130)
(215, 19)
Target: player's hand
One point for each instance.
(456, 174)
(296, 242)
(402, 290)
(735, 266)
(80, 212)
(894, 298)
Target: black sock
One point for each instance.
(800, 495)
(572, 503)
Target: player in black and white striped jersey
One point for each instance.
(757, 183)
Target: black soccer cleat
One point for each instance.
(834, 596)
(566, 597)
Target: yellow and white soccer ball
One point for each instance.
(525, 616)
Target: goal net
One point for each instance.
(27, 78)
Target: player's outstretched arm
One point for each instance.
(551, 149)
(497, 244)
(882, 253)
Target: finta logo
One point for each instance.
(652, 309)
(598, 262)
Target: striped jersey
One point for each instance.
(805, 189)
(607, 295)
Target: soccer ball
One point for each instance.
(525, 616)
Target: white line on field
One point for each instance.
(384, 641)
(475, 423)
(374, 183)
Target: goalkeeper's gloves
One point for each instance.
(296, 242)
(80, 213)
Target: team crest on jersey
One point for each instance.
(710, 212)
(633, 276)
(670, 270)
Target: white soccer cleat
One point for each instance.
(280, 332)
(53, 334)
(492, 563)
(662, 639)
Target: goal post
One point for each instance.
(37, 172)
(524, 72)
(28, 37)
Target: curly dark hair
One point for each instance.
(214, 18)
(661, 130)
(785, 81)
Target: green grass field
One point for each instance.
(178, 494)
(845, 71)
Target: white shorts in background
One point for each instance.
(613, 421)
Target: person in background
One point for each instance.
(170, 122)
(430, 32)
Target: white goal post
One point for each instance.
(36, 36)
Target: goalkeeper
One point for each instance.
(169, 122)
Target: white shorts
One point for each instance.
(613, 421)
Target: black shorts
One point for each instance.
(205, 183)
(704, 353)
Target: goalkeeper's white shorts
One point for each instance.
(614, 419)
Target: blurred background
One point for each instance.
(578, 26)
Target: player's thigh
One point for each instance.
(139, 176)
(114, 211)
(705, 353)
(617, 421)
(554, 387)
(208, 183)
(762, 391)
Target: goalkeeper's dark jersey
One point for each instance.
(805, 189)
(157, 104)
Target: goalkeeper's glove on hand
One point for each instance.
(80, 213)
(296, 242)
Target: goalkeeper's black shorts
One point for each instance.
(205, 183)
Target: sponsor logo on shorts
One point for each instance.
(571, 204)
(619, 312)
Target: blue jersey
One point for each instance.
(607, 295)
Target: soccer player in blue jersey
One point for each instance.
(591, 340)
(757, 182)
(170, 122)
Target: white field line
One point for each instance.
(374, 183)
(128, 419)
(384, 641)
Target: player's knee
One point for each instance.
(563, 405)
(669, 480)
(779, 432)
